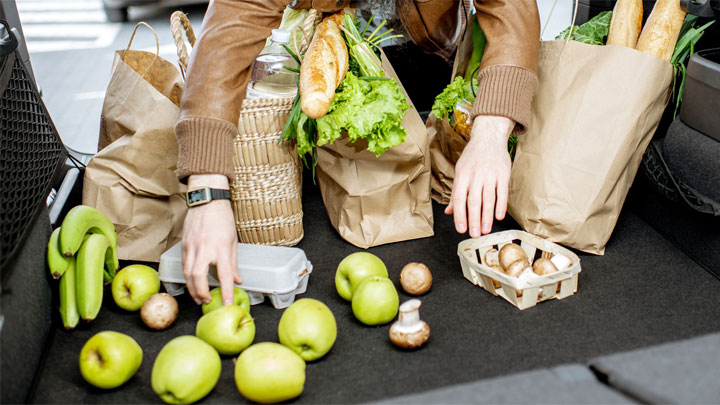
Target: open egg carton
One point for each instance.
(276, 272)
(528, 288)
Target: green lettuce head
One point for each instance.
(366, 108)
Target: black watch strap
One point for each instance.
(202, 196)
(219, 194)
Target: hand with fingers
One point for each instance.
(482, 173)
(209, 237)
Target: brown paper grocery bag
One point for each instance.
(377, 200)
(446, 144)
(594, 113)
(132, 179)
(140, 83)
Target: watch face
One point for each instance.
(195, 197)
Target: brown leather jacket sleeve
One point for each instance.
(232, 35)
(508, 72)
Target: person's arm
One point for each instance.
(506, 83)
(232, 35)
(209, 237)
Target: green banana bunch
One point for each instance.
(111, 261)
(57, 262)
(81, 220)
(94, 253)
(82, 253)
(68, 305)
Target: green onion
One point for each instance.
(292, 53)
(371, 78)
(684, 48)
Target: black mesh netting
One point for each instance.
(30, 154)
(673, 189)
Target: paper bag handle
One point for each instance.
(179, 23)
(572, 24)
(157, 44)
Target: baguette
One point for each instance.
(323, 68)
(662, 29)
(626, 23)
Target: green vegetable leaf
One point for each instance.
(354, 67)
(289, 133)
(371, 110)
(292, 53)
(479, 42)
(366, 105)
(454, 93)
(683, 49)
(688, 22)
(363, 47)
(593, 32)
(512, 143)
(360, 50)
(292, 21)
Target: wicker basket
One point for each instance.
(266, 187)
(521, 293)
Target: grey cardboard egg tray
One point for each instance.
(276, 272)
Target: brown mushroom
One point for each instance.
(409, 332)
(415, 278)
(492, 261)
(159, 311)
(517, 267)
(491, 258)
(543, 266)
(509, 254)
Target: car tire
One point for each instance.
(116, 14)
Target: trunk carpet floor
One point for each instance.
(643, 292)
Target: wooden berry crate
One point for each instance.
(521, 292)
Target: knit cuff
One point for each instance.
(320, 5)
(204, 147)
(506, 91)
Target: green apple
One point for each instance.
(375, 301)
(109, 359)
(240, 298)
(269, 372)
(353, 269)
(229, 329)
(133, 285)
(185, 370)
(308, 328)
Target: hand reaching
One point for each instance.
(209, 237)
(480, 188)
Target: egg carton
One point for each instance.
(276, 272)
(528, 289)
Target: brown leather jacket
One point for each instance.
(234, 32)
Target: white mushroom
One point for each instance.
(561, 262)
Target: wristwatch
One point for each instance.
(202, 196)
